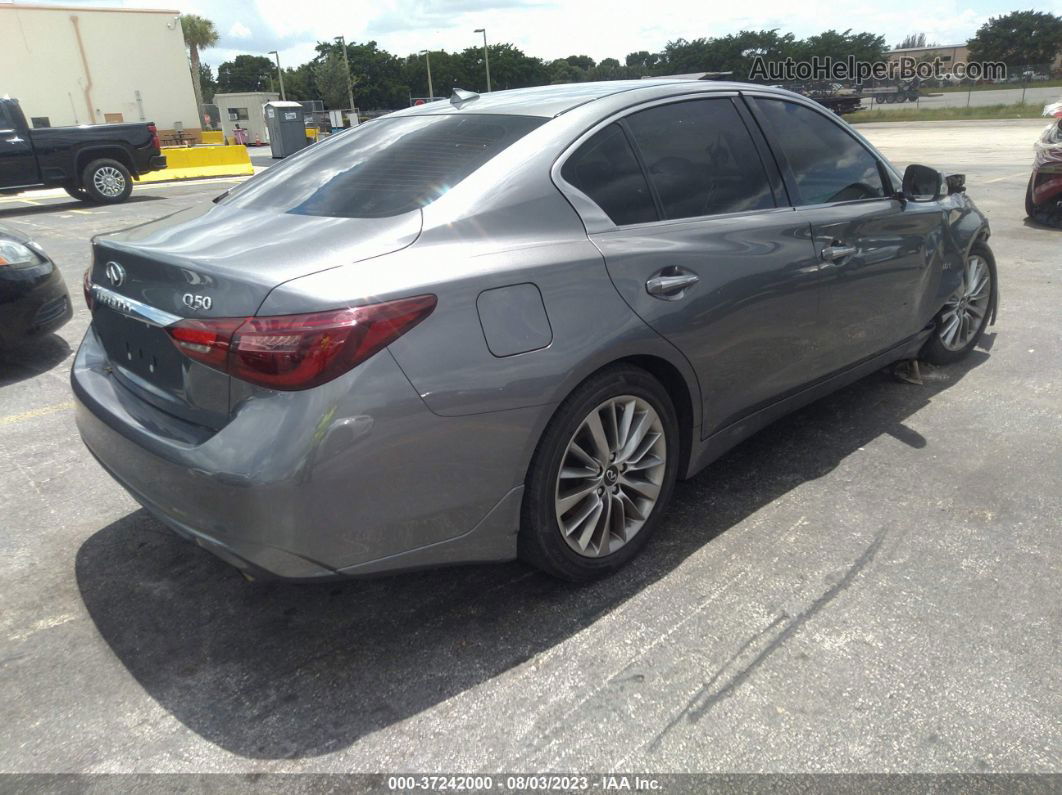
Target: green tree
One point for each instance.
(330, 78)
(245, 73)
(1018, 39)
(912, 41)
(299, 83)
(199, 34)
(642, 63)
(209, 85)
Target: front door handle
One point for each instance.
(835, 252)
(670, 284)
(15, 140)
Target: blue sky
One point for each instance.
(555, 28)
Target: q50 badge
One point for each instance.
(195, 302)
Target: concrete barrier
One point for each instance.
(214, 137)
(198, 162)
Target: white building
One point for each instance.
(245, 109)
(84, 65)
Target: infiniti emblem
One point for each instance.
(115, 273)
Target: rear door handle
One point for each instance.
(837, 252)
(15, 140)
(670, 284)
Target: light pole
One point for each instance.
(346, 62)
(486, 57)
(427, 60)
(280, 73)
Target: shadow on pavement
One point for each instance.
(31, 358)
(283, 671)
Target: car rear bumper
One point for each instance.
(354, 477)
(157, 163)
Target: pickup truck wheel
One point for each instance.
(77, 193)
(107, 181)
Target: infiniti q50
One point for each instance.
(504, 325)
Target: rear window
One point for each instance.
(384, 168)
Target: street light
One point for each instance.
(427, 60)
(280, 73)
(486, 57)
(350, 85)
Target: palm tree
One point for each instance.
(199, 33)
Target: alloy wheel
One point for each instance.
(966, 309)
(610, 476)
(109, 181)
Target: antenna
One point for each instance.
(460, 95)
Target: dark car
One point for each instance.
(507, 324)
(33, 296)
(93, 162)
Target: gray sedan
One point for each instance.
(505, 325)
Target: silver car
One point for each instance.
(505, 325)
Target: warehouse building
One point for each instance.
(83, 65)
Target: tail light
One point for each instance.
(291, 352)
(86, 285)
(155, 142)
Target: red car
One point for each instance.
(1043, 199)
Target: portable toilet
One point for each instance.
(287, 127)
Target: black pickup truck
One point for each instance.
(95, 163)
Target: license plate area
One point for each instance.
(140, 348)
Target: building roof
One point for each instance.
(88, 9)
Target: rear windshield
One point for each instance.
(386, 167)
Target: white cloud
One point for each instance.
(239, 31)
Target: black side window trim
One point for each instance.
(783, 163)
(663, 216)
(640, 160)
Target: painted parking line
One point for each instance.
(32, 414)
(1022, 174)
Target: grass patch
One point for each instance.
(994, 87)
(912, 113)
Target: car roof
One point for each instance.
(550, 101)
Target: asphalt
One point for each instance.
(870, 585)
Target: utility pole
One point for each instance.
(486, 56)
(280, 73)
(427, 60)
(346, 62)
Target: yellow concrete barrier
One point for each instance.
(198, 162)
(214, 137)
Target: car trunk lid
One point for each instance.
(213, 262)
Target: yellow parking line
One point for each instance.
(11, 419)
(82, 212)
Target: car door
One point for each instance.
(875, 249)
(697, 244)
(18, 165)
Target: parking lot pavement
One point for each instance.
(869, 585)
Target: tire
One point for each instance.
(1031, 207)
(879, 98)
(76, 193)
(107, 182)
(613, 498)
(970, 299)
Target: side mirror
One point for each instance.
(921, 183)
